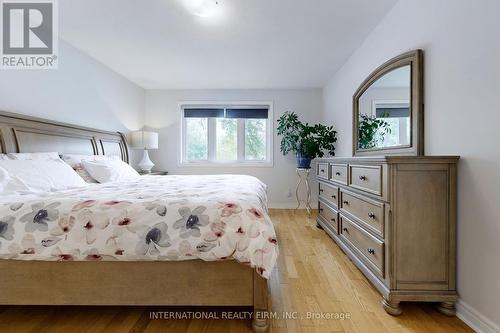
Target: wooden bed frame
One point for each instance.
(165, 283)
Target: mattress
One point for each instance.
(214, 217)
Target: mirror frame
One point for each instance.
(416, 147)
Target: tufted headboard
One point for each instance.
(24, 134)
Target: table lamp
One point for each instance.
(145, 140)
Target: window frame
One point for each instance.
(212, 137)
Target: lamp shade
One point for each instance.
(145, 140)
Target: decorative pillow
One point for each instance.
(34, 156)
(42, 175)
(75, 161)
(111, 170)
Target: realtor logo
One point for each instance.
(29, 34)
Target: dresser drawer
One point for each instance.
(338, 173)
(370, 247)
(366, 177)
(329, 193)
(370, 212)
(329, 215)
(322, 170)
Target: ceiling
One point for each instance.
(245, 44)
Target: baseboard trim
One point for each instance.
(474, 319)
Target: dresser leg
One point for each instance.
(447, 308)
(260, 323)
(392, 307)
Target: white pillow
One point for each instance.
(34, 156)
(3, 157)
(42, 175)
(75, 161)
(109, 171)
(11, 185)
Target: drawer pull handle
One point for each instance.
(345, 230)
(371, 215)
(332, 219)
(346, 202)
(337, 173)
(320, 190)
(334, 197)
(322, 170)
(371, 251)
(320, 210)
(362, 177)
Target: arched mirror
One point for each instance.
(388, 109)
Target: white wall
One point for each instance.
(81, 91)
(163, 115)
(461, 41)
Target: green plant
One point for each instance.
(371, 131)
(310, 141)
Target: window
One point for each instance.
(197, 140)
(226, 135)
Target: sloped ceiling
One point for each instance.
(164, 44)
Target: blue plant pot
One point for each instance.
(303, 162)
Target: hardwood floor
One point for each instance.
(313, 275)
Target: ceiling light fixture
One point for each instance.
(203, 8)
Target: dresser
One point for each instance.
(395, 218)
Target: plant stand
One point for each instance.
(303, 175)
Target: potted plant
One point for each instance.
(307, 141)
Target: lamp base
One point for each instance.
(145, 164)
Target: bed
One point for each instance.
(133, 259)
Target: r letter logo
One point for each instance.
(29, 34)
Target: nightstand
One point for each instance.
(155, 173)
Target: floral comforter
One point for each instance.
(151, 218)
